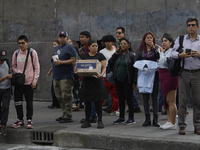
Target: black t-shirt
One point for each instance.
(98, 56)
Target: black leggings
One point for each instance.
(125, 93)
(154, 96)
(88, 110)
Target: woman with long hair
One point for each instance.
(169, 84)
(125, 76)
(148, 50)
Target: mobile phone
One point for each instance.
(188, 50)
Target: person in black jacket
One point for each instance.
(149, 51)
(125, 76)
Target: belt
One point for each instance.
(192, 71)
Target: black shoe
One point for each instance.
(155, 121)
(57, 107)
(147, 122)
(93, 119)
(65, 120)
(100, 125)
(137, 110)
(60, 118)
(82, 120)
(86, 124)
(50, 106)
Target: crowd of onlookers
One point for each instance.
(122, 71)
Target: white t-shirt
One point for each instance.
(108, 55)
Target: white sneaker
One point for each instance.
(169, 126)
(114, 113)
(164, 124)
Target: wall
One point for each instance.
(41, 21)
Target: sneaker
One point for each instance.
(100, 125)
(118, 121)
(114, 113)
(164, 125)
(29, 124)
(58, 119)
(18, 123)
(3, 130)
(169, 125)
(65, 120)
(130, 121)
(85, 125)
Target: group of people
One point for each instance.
(120, 59)
(24, 61)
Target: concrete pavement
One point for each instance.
(116, 137)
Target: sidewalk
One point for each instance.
(111, 137)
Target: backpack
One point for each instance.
(174, 65)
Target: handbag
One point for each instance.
(174, 65)
(18, 79)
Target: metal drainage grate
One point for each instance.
(42, 137)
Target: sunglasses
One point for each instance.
(118, 32)
(21, 43)
(191, 25)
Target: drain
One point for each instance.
(42, 137)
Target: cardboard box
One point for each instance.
(88, 68)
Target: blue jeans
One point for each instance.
(93, 110)
(135, 100)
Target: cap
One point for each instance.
(3, 55)
(63, 33)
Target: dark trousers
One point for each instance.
(27, 91)
(125, 92)
(88, 108)
(154, 96)
(4, 103)
(55, 100)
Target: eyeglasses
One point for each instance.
(21, 43)
(118, 32)
(124, 43)
(191, 25)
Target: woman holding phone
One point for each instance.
(125, 76)
(149, 51)
(169, 84)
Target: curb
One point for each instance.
(111, 142)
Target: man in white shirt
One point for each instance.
(108, 51)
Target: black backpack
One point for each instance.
(174, 65)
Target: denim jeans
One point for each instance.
(93, 110)
(135, 100)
